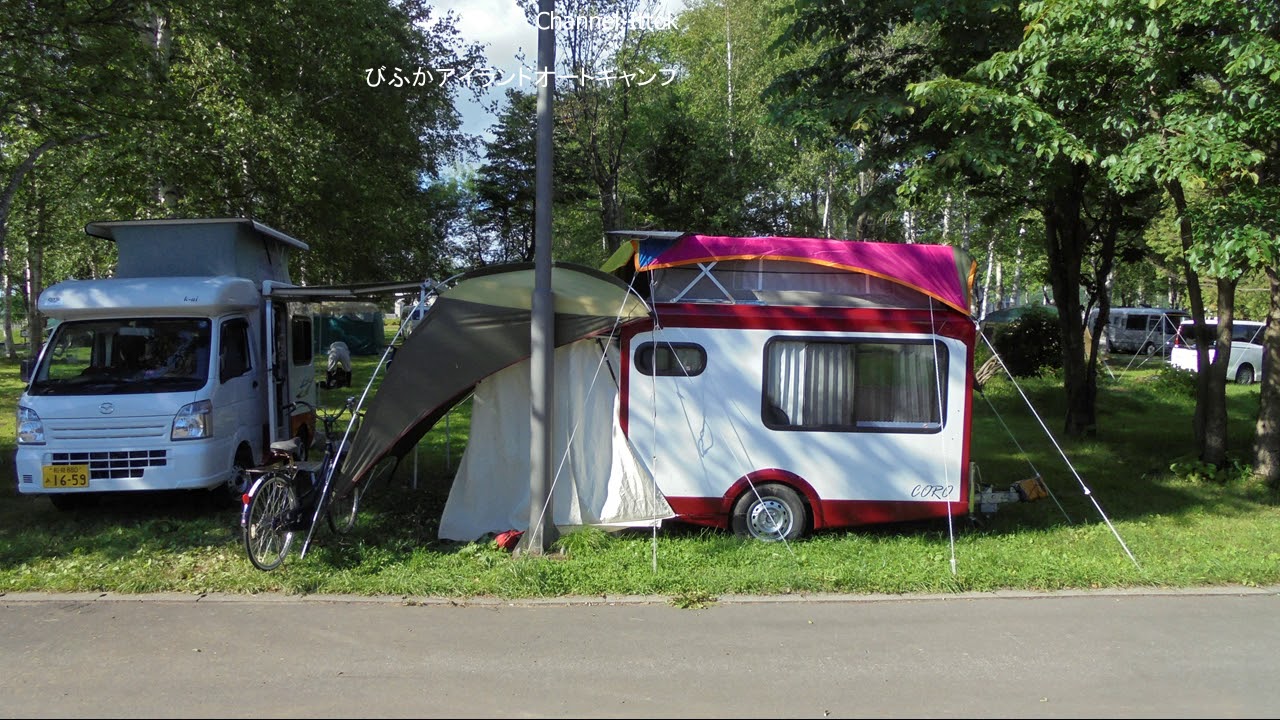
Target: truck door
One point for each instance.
(302, 373)
(292, 375)
(238, 407)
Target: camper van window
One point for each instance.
(862, 385)
(1246, 333)
(301, 331)
(679, 359)
(233, 352)
(148, 355)
(1136, 322)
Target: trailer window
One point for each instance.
(681, 359)
(863, 385)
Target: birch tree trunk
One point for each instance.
(1266, 443)
(9, 350)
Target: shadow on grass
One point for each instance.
(112, 525)
(1144, 428)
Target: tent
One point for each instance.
(477, 333)
(359, 325)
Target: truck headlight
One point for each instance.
(193, 421)
(30, 428)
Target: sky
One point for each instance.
(500, 26)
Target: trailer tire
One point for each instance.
(770, 512)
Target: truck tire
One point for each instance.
(240, 481)
(1244, 374)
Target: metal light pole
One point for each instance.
(542, 529)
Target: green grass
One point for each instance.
(1183, 529)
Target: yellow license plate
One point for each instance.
(66, 476)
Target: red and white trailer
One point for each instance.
(784, 385)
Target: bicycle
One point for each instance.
(289, 494)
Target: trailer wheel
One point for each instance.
(770, 512)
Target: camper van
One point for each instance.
(173, 374)
(1140, 330)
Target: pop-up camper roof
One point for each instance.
(687, 267)
(238, 247)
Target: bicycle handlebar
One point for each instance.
(297, 403)
(327, 416)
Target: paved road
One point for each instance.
(1177, 654)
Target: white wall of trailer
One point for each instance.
(700, 434)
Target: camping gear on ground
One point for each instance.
(338, 370)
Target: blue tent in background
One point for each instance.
(359, 325)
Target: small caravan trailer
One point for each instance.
(772, 386)
(784, 385)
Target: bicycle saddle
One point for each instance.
(292, 446)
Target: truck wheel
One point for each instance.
(239, 482)
(1244, 374)
(770, 512)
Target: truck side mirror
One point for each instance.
(25, 369)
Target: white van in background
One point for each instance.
(1144, 330)
(1246, 349)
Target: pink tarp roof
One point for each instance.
(939, 271)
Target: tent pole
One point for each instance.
(542, 530)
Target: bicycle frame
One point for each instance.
(307, 485)
(328, 465)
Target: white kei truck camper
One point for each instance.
(174, 374)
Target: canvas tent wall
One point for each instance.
(359, 325)
(474, 330)
(490, 491)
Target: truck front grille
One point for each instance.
(113, 429)
(113, 464)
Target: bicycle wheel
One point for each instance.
(268, 525)
(342, 511)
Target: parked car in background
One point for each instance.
(1246, 349)
(1144, 330)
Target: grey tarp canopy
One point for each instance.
(474, 329)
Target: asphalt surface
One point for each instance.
(1203, 653)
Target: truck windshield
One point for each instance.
(151, 355)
